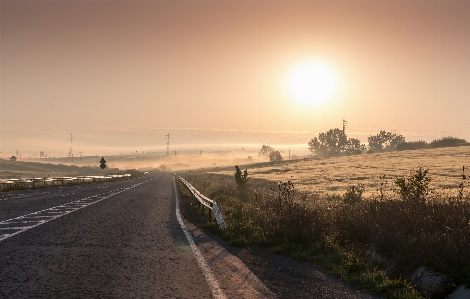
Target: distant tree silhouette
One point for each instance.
(265, 151)
(334, 142)
(447, 141)
(384, 141)
(275, 156)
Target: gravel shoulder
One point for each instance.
(254, 272)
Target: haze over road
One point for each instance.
(121, 241)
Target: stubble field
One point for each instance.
(333, 175)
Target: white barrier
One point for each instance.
(209, 203)
(27, 182)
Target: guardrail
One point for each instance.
(52, 181)
(205, 202)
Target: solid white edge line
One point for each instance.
(210, 278)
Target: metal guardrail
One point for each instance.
(51, 181)
(205, 201)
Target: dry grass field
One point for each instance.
(334, 175)
(329, 225)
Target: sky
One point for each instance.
(120, 75)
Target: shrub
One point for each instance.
(353, 194)
(412, 145)
(240, 178)
(415, 187)
(447, 141)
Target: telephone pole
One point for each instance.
(71, 140)
(168, 144)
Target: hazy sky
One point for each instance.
(120, 68)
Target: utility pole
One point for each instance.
(71, 140)
(168, 144)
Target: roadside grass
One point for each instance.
(303, 226)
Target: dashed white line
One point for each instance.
(44, 216)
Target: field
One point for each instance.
(334, 175)
(335, 231)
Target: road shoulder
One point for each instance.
(234, 277)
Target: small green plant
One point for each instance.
(461, 185)
(381, 186)
(240, 178)
(354, 194)
(415, 187)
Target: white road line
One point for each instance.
(64, 209)
(210, 278)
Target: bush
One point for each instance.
(412, 145)
(354, 194)
(415, 187)
(240, 178)
(447, 142)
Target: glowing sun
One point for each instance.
(312, 83)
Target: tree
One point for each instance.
(334, 142)
(241, 178)
(41, 154)
(354, 147)
(275, 156)
(384, 141)
(265, 151)
(318, 148)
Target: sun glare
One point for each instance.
(312, 83)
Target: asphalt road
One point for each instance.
(124, 240)
(107, 240)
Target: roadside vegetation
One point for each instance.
(410, 225)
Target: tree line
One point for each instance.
(335, 142)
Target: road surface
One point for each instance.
(126, 240)
(107, 240)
